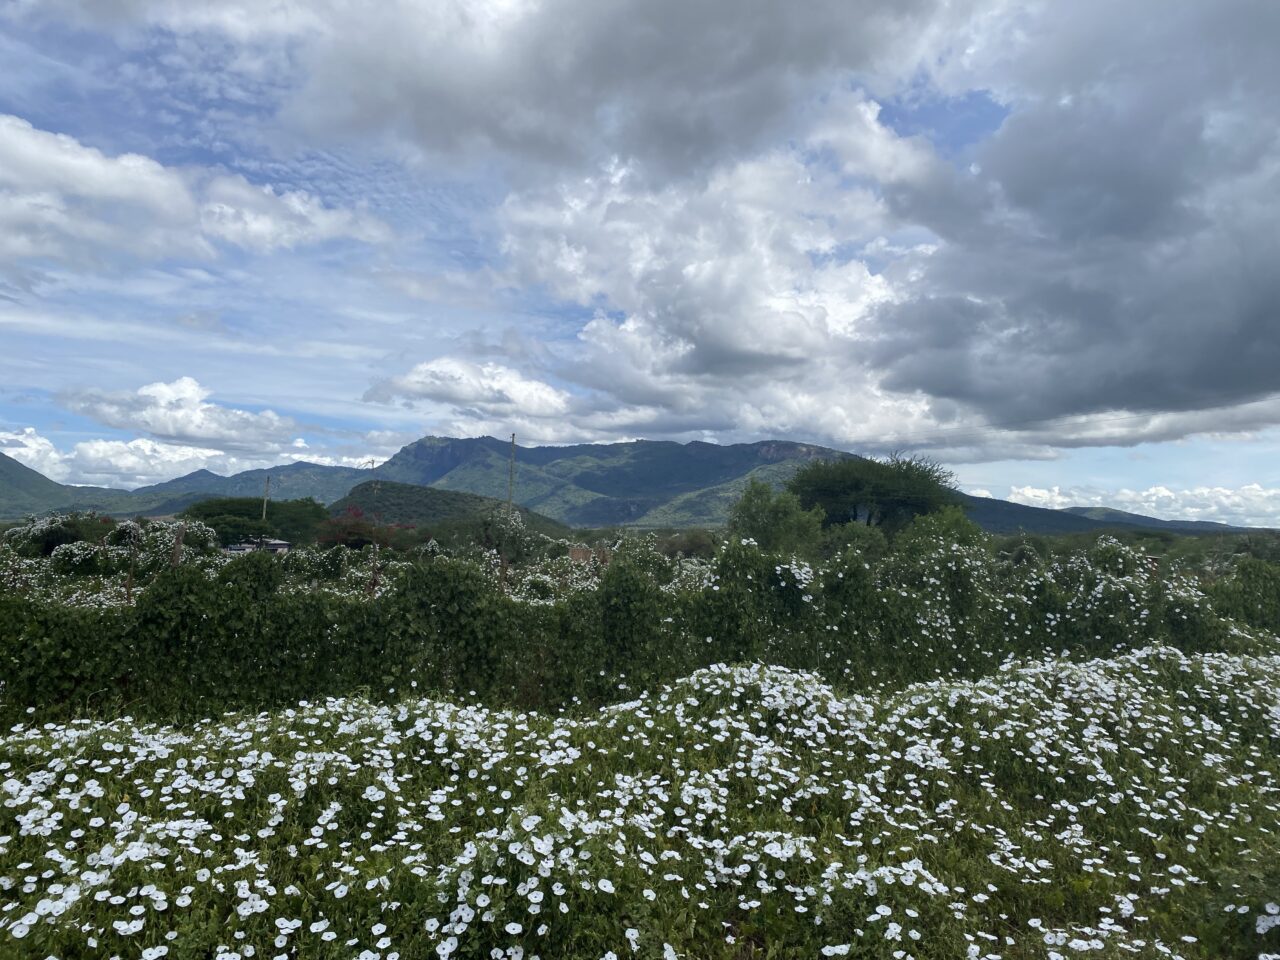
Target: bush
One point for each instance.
(212, 634)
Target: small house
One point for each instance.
(267, 544)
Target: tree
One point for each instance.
(351, 529)
(888, 493)
(232, 529)
(775, 520)
(238, 518)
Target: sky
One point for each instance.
(1035, 241)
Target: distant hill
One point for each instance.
(290, 481)
(640, 483)
(1004, 516)
(404, 503)
(1111, 518)
(25, 491)
(643, 483)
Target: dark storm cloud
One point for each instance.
(673, 85)
(1126, 254)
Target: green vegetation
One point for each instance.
(775, 520)
(888, 493)
(429, 507)
(646, 485)
(240, 519)
(930, 743)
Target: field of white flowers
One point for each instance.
(1126, 806)
(969, 755)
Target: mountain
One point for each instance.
(643, 483)
(1111, 517)
(291, 481)
(390, 502)
(25, 491)
(1004, 516)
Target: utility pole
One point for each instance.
(372, 464)
(506, 527)
(511, 478)
(266, 492)
(376, 575)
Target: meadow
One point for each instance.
(946, 746)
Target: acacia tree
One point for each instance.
(889, 493)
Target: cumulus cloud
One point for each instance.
(28, 447)
(750, 239)
(1106, 252)
(1249, 505)
(61, 199)
(670, 85)
(180, 411)
(487, 389)
(735, 305)
(127, 464)
(116, 463)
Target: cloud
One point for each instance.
(179, 411)
(30, 448)
(1248, 505)
(118, 463)
(259, 218)
(143, 461)
(1105, 256)
(63, 200)
(736, 220)
(488, 389)
(731, 306)
(1121, 258)
(671, 86)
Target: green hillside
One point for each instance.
(27, 490)
(1003, 517)
(1112, 518)
(710, 507)
(403, 503)
(24, 491)
(643, 482)
(292, 481)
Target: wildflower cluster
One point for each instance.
(1054, 809)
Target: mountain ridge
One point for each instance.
(637, 483)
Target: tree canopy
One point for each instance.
(774, 519)
(889, 493)
(240, 518)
